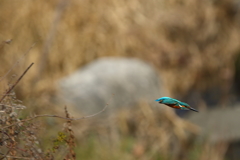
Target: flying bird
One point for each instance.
(174, 103)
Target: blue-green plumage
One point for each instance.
(174, 103)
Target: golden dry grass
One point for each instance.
(186, 40)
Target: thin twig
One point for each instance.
(73, 119)
(46, 115)
(11, 88)
(16, 63)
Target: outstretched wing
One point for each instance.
(172, 103)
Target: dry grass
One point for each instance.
(186, 40)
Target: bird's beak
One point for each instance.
(159, 101)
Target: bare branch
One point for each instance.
(46, 115)
(11, 88)
(73, 119)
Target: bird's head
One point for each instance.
(161, 100)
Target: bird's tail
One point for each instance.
(193, 109)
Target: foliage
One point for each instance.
(20, 139)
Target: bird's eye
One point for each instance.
(160, 101)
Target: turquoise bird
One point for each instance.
(174, 103)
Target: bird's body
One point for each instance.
(174, 103)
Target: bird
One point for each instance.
(174, 103)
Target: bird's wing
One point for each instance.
(184, 107)
(170, 102)
(184, 104)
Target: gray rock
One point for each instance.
(219, 125)
(130, 80)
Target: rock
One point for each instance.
(221, 126)
(120, 82)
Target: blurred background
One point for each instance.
(128, 53)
